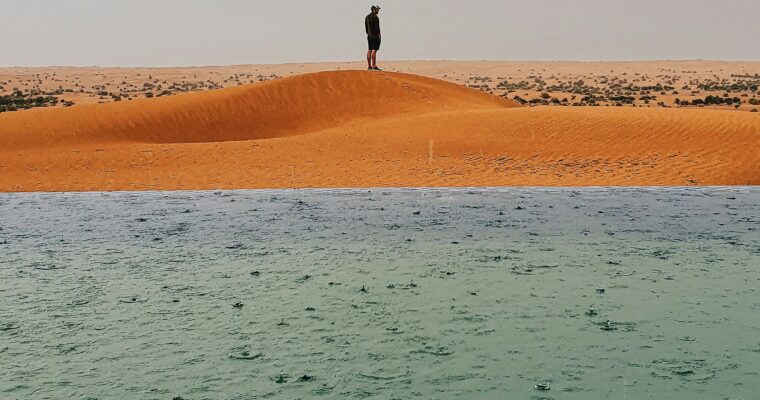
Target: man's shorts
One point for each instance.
(374, 44)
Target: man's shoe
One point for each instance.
(377, 69)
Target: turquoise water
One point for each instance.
(472, 294)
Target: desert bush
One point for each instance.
(20, 101)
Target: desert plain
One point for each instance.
(416, 124)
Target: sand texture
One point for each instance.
(368, 129)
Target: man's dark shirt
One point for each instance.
(372, 26)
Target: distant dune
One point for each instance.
(365, 129)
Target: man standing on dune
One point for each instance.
(372, 26)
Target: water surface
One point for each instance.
(473, 294)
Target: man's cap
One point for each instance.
(376, 7)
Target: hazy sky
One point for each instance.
(219, 32)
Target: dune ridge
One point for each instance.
(365, 129)
(291, 106)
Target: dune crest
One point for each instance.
(285, 107)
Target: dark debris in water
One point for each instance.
(131, 300)
(695, 370)
(532, 269)
(435, 351)
(281, 378)
(9, 326)
(243, 354)
(610, 326)
(47, 267)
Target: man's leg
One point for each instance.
(374, 58)
(369, 58)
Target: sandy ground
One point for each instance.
(367, 129)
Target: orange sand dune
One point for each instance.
(364, 129)
(291, 106)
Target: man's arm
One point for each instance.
(376, 25)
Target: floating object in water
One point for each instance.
(519, 208)
(473, 293)
(600, 290)
(607, 326)
(416, 213)
(218, 192)
(281, 378)
(255, 273)
(311, 309)
(282, 322)
(412, 284)
(238, 305)
(391, 286)
(245, 355)
(542, 386)
(363, 289)
(142, 220)
(129, 300)
(306, 378)
(591, 311)
(9, 326)
(178, 398)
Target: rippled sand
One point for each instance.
(467, 293)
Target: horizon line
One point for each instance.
(362, 61)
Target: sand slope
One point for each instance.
(364, 129)
(291, 106)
